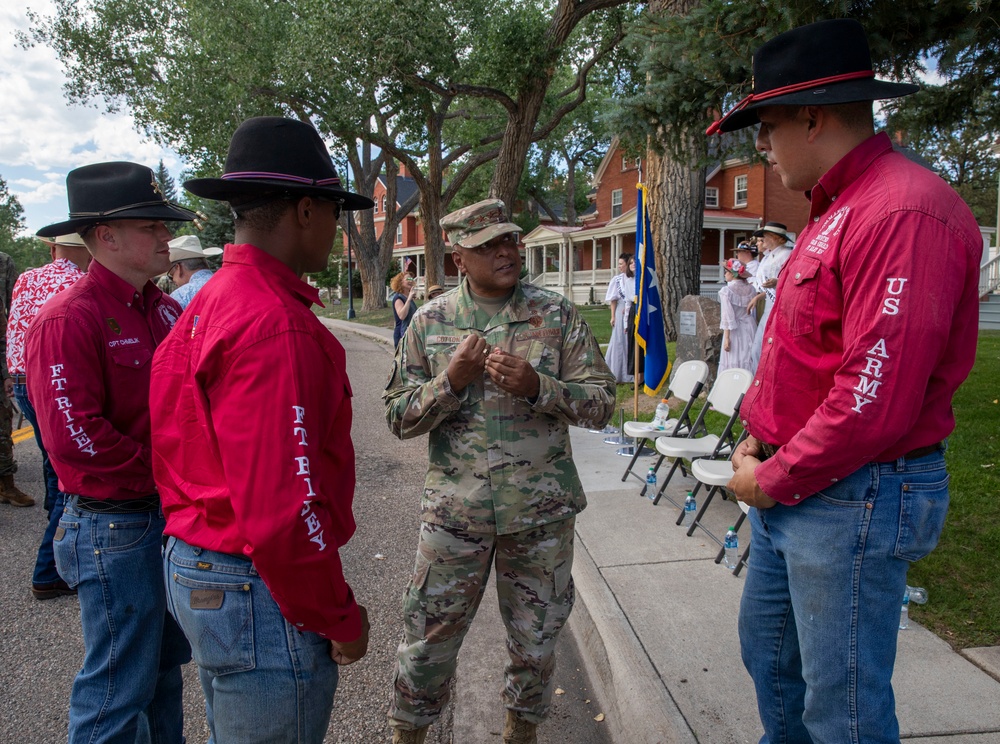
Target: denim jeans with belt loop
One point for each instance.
(820, 611)
(264, 679)
(129, 689)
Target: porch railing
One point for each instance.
(989, 276)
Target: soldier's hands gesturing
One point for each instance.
(467, 362)
(513, 374)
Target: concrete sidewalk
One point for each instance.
(655, 623)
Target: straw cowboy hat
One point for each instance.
(189, 246)
(819, 64)
(72, 240)
(269, 154)
(114, 191)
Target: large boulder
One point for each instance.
(698, 333)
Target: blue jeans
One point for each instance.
(55, 500)
(820, 609)
(129, 690)
(264, 680)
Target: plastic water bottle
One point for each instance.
(904, 613)
(732, 544)
(661, 415)
(918, 594)
(651, 483)
(690, 509)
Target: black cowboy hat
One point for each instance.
(820, 64)
(114, 191)
(269, 154)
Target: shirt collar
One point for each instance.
(121, 290)
(514, 311)
(847, 170)
(64, 264)
(247, 254)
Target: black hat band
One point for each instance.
(138, 205)
(249, 175)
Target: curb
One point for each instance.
(368, 332)
(638, 705)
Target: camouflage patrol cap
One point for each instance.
(478, 223)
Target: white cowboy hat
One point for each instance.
(189, 246)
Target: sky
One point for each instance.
(42, 136)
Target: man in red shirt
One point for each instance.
(33, 289)
(874, 329)
(88, 356)
(258, 509)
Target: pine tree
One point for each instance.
(166, 182)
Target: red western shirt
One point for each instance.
(252, 437)
(875, 325)
(88, 356)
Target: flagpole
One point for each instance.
(640, 205)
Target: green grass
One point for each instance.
(961, 574)
(381, 317)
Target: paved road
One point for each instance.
(40, 647)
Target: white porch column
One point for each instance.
(593, 263)
(420, 258)
(545, 261)
(570, 266)
(722, 252)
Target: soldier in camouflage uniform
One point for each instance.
(9, 493)
(494, 372)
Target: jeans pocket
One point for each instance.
(64, 550)
(217, 618)
(126, 532)
(923, 508)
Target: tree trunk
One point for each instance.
(676, 211)
(431, 212)
(676, 207)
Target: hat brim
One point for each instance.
(166, 213)
(222, 189)
(850, 91)
(180, 254)
(488, 233)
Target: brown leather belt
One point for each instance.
(19, 379)
(768, 451)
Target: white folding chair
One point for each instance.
(716, 474)
(686, 385)
(725, 397)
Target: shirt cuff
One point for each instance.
(776, 483)
(445, 396)
(549, 390)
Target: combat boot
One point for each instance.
(418, 736)
(11, 494)
(518, 731)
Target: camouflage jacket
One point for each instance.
(498, 462)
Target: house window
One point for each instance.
(376, 205)
(711, 197)
(383, 202)
(399, 234)
(740, 187)
(599, 257)
(616, 203)
(638, 162)
(624, 163)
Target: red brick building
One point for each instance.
(739, 197)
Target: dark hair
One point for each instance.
(260, 215)
(194, 264)
(625, 257)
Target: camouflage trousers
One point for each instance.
(7, 464)
(535, 591)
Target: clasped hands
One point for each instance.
(744, 484)
(473, 357)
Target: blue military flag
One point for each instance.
(650, 335)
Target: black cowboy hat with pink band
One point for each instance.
(820, 64)
(285, 157)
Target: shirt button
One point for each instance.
(833, 480)
(815, 219)
(833, 198)
(744, 422)
(796, 496)
(770, 340)
(798, 275)
(128, 304)
(136, 362)
(299, 625)
(756, 383)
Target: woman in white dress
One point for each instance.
(619, 296)
(737, 326)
